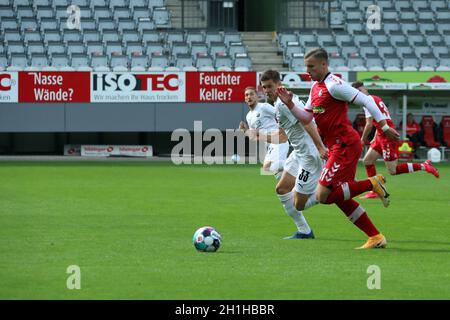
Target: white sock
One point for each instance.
(311, 201)
(288, 203)
(278, 175)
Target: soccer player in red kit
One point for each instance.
(381, 146)
(328, 105)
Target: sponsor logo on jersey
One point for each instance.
(318, 109)
(320, 93)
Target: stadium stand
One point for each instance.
(113, 34)
(414, 36)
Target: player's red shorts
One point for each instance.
(387, 148)
(341, 164)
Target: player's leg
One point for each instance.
(286, 196)
(341, 167)
(273, 162)
(306, 185)
(390, 156)
(370, 158)
(369, 163)
(358, 216)
(413, 167)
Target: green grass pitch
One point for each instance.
(129, 226)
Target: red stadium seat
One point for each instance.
(428, 132)
(445, 126)
(359, 123)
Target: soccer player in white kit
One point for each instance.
(296, 189)
(261, 116)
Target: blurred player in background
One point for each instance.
(296, 189)
(261, 116)
(381, 146)
(328, 105)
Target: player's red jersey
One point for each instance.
(328, 101)
(384, 110)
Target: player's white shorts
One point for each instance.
(277, 153)
(306, 174)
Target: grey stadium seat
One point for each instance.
(159, 60)
(79, 60)
(94, 47)
(213, 36)
(236, 47)
(100, 63)
(161, 16)
(119, 63)
(55, 47)
(223, 61)
(34, 47)
(139, 63)
(184, 60)
(92, 35)
(154, 47)
(114, 47)
(134, 48)
(428, 63)
(195, 36)
(231, 37)
(19, 62)
(297, 64)
(151, 35)
(392, 62)
(242, 62)
(75, 47)
(60, 60)
(293, 47)
(111, 35)
(198, 47)
(52, 35)
(39, 60)
(410, 62)
(356, 64)
(204, 61)
(374, 62)
(444, 63)
(179, 48)
(217, 47)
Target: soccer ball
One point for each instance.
(207, 239)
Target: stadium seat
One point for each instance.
(19, 62)
(198, 47)
(429, 130)
(223, 61)
(119, 62)
(161, 16)
(139, 63)
(183, 60)
(445, 130)
(3, 61)
(242, 62)
(59, 60)
(444, 63)
(213, 36)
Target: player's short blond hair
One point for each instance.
(250, 88)
(318, 53)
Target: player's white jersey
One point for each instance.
(262, 117)
(298, 137)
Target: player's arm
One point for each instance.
(344, 91)
(367, 129)
(298, 111)
(243, 125)
(311, 128)
(276, 136)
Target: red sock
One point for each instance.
(356, 214)
(407, 168)
(371, 170)
(348, 190)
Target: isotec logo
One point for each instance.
(5, 82)
(135, 82)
